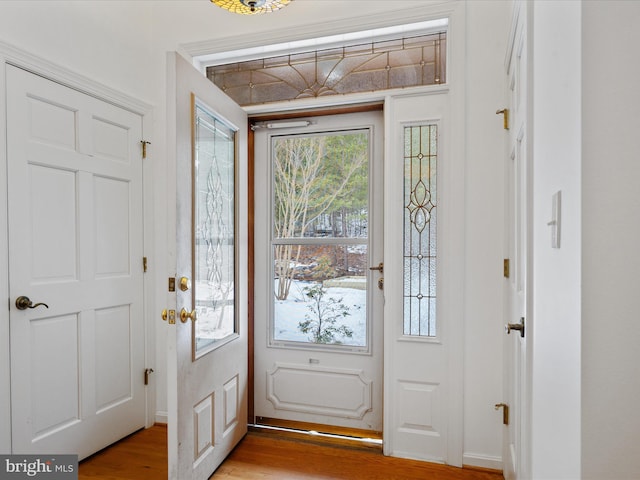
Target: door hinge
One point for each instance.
(147, 372)
(505, 118)
(505, 412)
(505, 268)
(144, 148)
(144, 264)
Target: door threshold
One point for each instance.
(319, 434)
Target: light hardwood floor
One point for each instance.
(143, 456)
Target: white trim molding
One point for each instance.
(64, 76)
(482, 461)
(431, 10)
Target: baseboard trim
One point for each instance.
(162, 417)
(482, 461)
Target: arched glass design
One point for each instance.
(373, 66)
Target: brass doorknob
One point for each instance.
(22, 303)
(185, 315)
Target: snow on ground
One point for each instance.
(289, 313)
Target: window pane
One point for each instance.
(420, 162)
(214, 263)
(321, 185)
(320, 294)
(320, 237)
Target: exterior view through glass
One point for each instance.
(320, 237)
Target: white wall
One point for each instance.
(109, 42)
(611, 240)
(487, 32)
(123, 44)
(555, 324)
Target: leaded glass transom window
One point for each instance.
(374, 66)
(420, 246)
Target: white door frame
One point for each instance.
(40, 66)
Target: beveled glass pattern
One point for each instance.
(381, 65)
(420, 199)
(214, 237)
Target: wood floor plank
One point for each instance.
(143, 456)
(266, 457)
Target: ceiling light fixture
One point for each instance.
(251, 7)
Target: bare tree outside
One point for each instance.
(320, 189)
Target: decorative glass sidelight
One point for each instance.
(420, 240)
(213, 231)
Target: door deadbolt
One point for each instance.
(185, 284)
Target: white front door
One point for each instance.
(517, 203)
(318, 232)
(207, 335)
(75, 253)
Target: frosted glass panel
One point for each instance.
(420, 249)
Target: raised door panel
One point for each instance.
(52, 220)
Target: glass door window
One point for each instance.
(320, 239)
